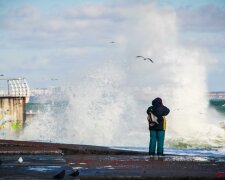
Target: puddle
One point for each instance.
(43, 168)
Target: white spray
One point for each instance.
(108, 106)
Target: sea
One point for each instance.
(53, 109)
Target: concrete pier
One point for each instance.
(13, 98)
(45, 160)
(12, 112)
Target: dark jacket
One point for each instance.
(158, 110)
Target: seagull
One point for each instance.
(75, 173)
(150, 60)
(54, 79)
(60, 175)
(141, 57)
(144, 58)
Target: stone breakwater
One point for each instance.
(45, 160)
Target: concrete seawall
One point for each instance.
(12, 112)
(45, 160)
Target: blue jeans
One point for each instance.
(156, 137)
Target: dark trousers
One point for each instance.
(156, 137)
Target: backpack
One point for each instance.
(152, 119)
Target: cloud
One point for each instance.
(83, 32)
(25, 15)
(84, 12)
(213, 41)
(75, 26)
(207, 18)
(51, 42)
(27, 63)
(203, 26)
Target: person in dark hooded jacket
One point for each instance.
(157, 125)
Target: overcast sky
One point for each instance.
(45, 40)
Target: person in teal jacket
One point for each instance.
(157, 126)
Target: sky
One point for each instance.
(51, 43)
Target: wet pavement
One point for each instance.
(45, 160)
(106, 166)
(33, 167)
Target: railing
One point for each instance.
(15, 87)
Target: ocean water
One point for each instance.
(171, 147)
(199, 152)
(219, 105)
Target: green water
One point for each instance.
(219, 105)
(48, 106)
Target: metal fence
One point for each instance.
(14, 87)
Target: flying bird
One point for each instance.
(141, 57)
(54, 79)
(144, 58)
(150, 60)
(60, 175)
(112, 42)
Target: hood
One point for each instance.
(157, 102)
